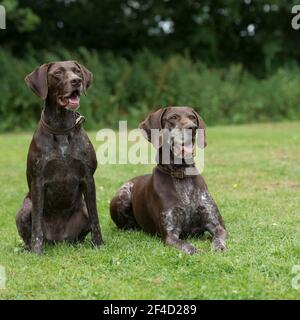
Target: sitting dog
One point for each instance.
(173, 201)
(61, 162)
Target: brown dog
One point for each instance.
(61, 162)
(171, 202)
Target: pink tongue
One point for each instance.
(188, 148)
(74, 101)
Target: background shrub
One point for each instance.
(129, 89)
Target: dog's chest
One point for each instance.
(63, 161)
(188, 194)
(63, 147)
(188, 202)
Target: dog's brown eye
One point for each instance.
(192, 117)
(77, 71)
(174, 117)
(57, 73)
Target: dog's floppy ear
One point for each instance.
(153, 122)
(201, 136)
(87, 76)
(38, 82)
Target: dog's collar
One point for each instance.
(179, 173)
(79, 120)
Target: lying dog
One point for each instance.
(172, 202)
(61, 162)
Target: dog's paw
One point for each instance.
(188, 248)
(219, 245)
(37, 246)
(97, 242)
(38, 250)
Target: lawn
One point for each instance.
(253, 173)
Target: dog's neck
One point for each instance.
(177, 167)
(56, 116)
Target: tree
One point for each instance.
(257, 34)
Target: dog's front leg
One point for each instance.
(172, 221)
(90, 199)
(174, 241)
(214, 223)
(37, 198)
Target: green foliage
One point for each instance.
(128, 90)
(21, 19)
(257, 34)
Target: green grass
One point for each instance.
(253, 172)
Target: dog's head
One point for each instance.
(63, 82)
(177, 127)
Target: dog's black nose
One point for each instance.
(76, 82)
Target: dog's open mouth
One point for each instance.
(184, 150)
(71, 101)
(183, 143)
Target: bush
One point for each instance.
(125, 89)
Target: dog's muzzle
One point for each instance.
(182, 143)
(71, 101)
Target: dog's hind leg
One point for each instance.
(78, 225)
(121, 208)
(23, 221)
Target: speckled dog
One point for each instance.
(61, 202)
(172, 202)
